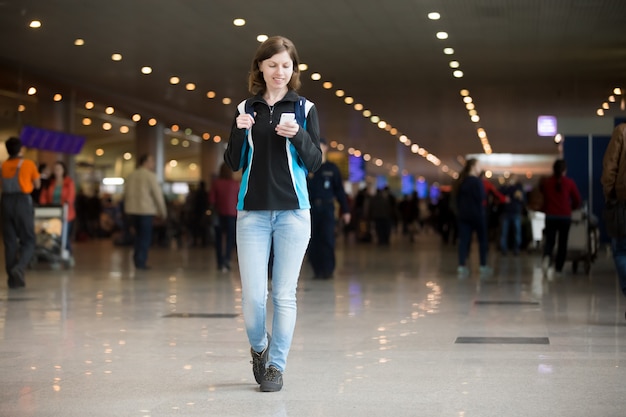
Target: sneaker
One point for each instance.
(486, 270)
(259, 359)
(462, 270)
(272, 380)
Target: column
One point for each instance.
(151, 140)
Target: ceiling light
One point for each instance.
(109, 110)
(367, 113)
(35, 24)
(174, 80)
(57, 97)
(415, 148)
(470, 106)
(379, 162)
(340, 146)
(217, 138)
(475, 118)
(358, 107)
(32, 91)
(206, 136)
(316, 76)
(434, 16)
(188, 132)
(382, 124)
(467, 99)
(340, 93)
(146, 70)
(458, 74)
(185, 144)
(239, 22)
(303, 67)
(128, 156)
(351, 151)
(136, 117)
(211, 94)
(375, 119)
(367, 157)
(193, 166)
(617, 91)
(174, 128)
(327, 85)
(612, 99)
(348, 100)
(116, 57)
(99, 151)
(79, 42)
(124, 129)
(448, 51)
(605, 105)
(226, 100)
(393, 131)
(86, 121)
(473, 112)
(262, 38)
(106, 126)
(152, 122)
(89, 105)
(600, 112)
(173, 163)
(454, 64)
(174, 141)
(190, 86)
(442, 35)
(402, 138)
(464, 93)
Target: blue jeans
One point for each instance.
(288, 231)
(618, 247)
(143, 238)
(466, 227)
(516, 220)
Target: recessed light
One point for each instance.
(116, 57)
(146, 70)
(262, 38)
(79, 42)
(174, 80)
(442, 35)
(434, 16)
(35, 24)
(448, 51)
(239, 22)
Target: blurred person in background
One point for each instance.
(325, 186)
(560, 197)
(61, 191)
(143, 200)
(20, 177)
(614, 188)
(223, 199)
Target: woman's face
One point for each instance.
(277, 71)
(58, 170)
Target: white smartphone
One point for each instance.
(287, 117)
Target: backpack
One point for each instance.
(301, 110)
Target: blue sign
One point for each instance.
(49, 140)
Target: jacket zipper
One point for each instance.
(271, 113)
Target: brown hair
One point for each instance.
(225, 172)
(269, 48)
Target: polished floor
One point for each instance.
(395, 333)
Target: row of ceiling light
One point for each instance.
(468, 101)
(612, 100)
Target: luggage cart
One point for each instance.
(51, 236)
(583, 240)
(537, 224)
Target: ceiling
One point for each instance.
(520, 59)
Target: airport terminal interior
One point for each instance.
(406, 91)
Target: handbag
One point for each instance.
(615, 218)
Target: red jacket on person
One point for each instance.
(560, 203)
(68, 195)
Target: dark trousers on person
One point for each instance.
(225, 232)
(143, 238)
(383, 230)
(321, 253)
(618, 246)
(557, 226)
(18, 233)
(466, 227)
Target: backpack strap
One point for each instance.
(303, 106)
(245, 107)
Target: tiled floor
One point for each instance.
(395, 333)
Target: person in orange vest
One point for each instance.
(20, 177)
